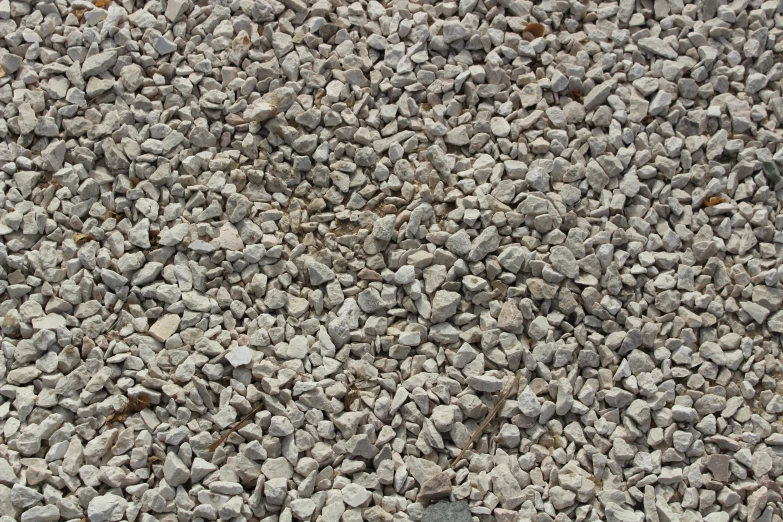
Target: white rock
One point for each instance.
(355, 495)
(239, 356)
(107, 508)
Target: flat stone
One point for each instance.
(239, 356)
(597, 95)
(435, 488)
(657, 47)
(98, 63)
(165, 327)
(49, 322)
(447, 512)
(7, 475)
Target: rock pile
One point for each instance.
(369, 218)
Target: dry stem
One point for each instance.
(488, 419)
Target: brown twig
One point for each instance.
(235, 427)
(134, 405)
(487, 420)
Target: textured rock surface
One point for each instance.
(351, 224)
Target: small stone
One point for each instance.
(538, 328)
(657, 47)
(175, 471)
(49, 322)
(616, 513)
(107, 508)
(230, 239)
(511, 318)
(165, 327)
(561, 498)
(444, 305)
(27, 119)
(164, 46)
(564, 262)
(48, 513)
(319, 273)
(485, 383)
(239, 356)
(355, 495)
(597, 95)
(447, 512)
(719, 466)
(435, 488)
(98, 63)
(528, 403)
(486, 242)
(303, 508)
(277, 468)
(7, 475)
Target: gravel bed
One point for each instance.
(410, 260)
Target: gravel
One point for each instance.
(276, 260)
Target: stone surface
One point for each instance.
(107, 508)
(279, 260)
(447, 512)
(165, 327)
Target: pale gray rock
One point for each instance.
(658, 47)
(107, 508)
(444, 305)
(98, 63)
(486, 243)
(175, 471)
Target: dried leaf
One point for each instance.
(78, 13)
(487, 420)
(714, 200)
(118, 416)
(536, 29)
(102, 3)
(80, 238)
(134, 405)
(153, 459)
(350, 397)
